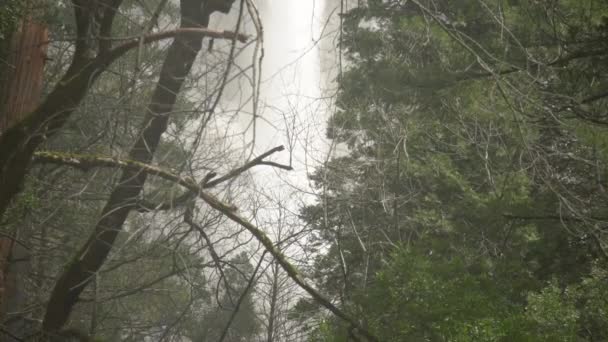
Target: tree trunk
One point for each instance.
(273, 302)
(20, 92)
(88, 261)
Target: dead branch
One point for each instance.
(84, 162)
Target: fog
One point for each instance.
(295, 86)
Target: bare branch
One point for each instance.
(19, 142)
(214, 256)
(184, 32)
(206, 183)
(107, 20)
(88, 162)
(256, 161)
(242, 297)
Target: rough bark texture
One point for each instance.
(20, 93)
(123, 199)
(24, 70)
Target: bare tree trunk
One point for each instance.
(20, 93)
(273, 301)
(178, 62)
(19, 141)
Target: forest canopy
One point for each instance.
(462, 196)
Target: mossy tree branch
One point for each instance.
(85, 163)
(209, 182)
(19, 142)
(17, 146)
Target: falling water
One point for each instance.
(291, 105)
(294, 103)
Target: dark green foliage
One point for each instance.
(12, 11)
(470, 205)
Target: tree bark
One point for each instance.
(178, 62)
(18, 143)
(21, 90)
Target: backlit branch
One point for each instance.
(207, 182)
(87, 162)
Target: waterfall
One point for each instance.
(295, 100)
(291, 83)
(297, 70)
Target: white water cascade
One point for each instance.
(294, 103)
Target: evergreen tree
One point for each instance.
(469, 204)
